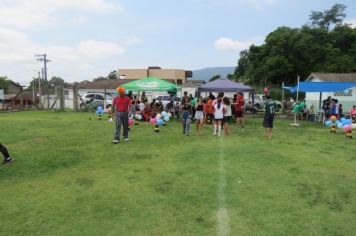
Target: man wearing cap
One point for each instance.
(122, 106)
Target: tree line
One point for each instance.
(325, 44)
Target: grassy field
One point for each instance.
(68, 179)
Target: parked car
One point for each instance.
(165, 99)
(247, 106)
(96, 99)
(260, 100)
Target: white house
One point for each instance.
(347, 98)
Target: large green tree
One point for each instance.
(291, 52)
(4, 83)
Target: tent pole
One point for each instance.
(283, 97)
(320, 97)
(295, 114)
(253, 105)
(297, 89)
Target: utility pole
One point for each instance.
(33, 91)
(43, 57)
(39, 89)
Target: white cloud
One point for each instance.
(74, 62)
(78, 20)
(39, 14)
(97, 49)
(260, 4)
(133, 41)
(231, 45)
(351, 22)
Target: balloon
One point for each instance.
(159, 122)
(343, 119)
(158, 116)
(296, 108)
(131, 122)
(265, 90)
(136, 116)
(153, 121)
(169, 114)
(348, 121)
(328, 123)
(340, 126)
(333, 118)
(164, 113)
(347, 128)
(166, 118)
(337, 122)
(139, 117)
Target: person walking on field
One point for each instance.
(122, 106)
(199, 115)
(5, 153)
(186, 108)
(219, 110)
(270, 109)
(239, 107)
(227, 115)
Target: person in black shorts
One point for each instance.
(270, 109)
(5, 153)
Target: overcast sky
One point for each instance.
(89, 38)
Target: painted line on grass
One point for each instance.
(223, 219)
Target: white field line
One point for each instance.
(222, 214)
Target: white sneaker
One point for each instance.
(214, 133)
(127, 139)
(115, 141)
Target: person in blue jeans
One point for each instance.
(186, 109)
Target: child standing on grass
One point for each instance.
(270, 109)
(227, 115)
(186, 108)
(5, 153)
(219, 110)
(199, 115)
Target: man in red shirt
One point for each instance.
(239, 108)
(122, 106)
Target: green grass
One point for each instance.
(68, 179)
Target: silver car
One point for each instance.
(165, 99)
(97, 99)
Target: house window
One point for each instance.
(66, 94)
(179, 81)
(345, 93)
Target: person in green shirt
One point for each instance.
(193, 102)
(270, 109)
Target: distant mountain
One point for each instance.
(207, 73)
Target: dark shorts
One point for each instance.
(218, 119)
(238, 114)
(226, 119)
(268, 121)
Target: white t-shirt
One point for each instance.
(228, 110)
(141, 106)
(219, 113)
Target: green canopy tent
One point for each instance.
(150, 84)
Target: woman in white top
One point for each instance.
(227, 115)
(219, 110)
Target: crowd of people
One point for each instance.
(331, 107)
(218, 111)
